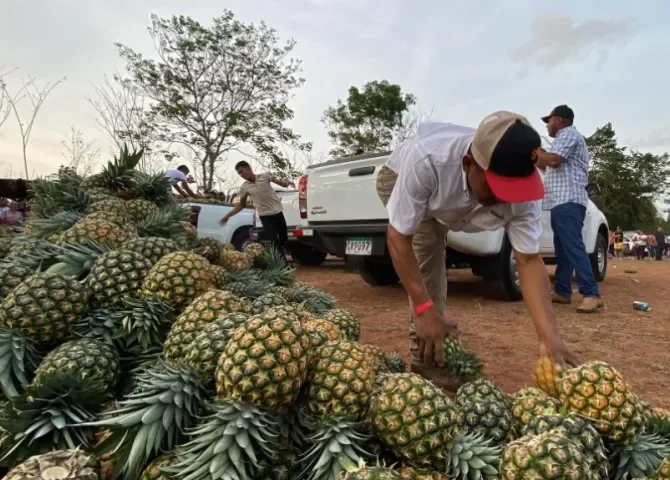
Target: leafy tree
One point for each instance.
(216, 88)
(369, 119)
(630, 181)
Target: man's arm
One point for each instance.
(548, 159)
(565, 143)
(179, 190)
(184, 185)
(406, 266)
(237, 209)
(283, 183)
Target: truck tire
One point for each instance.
(599, 258)
(378, 274)
(307, 255)
(241, 238)
(506, 286)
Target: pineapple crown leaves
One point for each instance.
(61, 194)
(233, 437)
(243, 276)
(315, 300)
(19, 357)
(142, 322)
(464, 365)
(334, 442)
(642, 457)
(155, 188)
(470, 453)
(61, 221)
(50, 416)
(659, 426)
(77, 259)
(165, 222)
(163, 403)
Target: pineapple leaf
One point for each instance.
(19, 358)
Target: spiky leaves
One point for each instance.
(153, 417)
(642, 457)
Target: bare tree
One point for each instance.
(5, 109)
(37, 96)
(123, 114)
(79, 154)
(410, 125)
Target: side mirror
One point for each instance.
(593, 190)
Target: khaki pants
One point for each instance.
(428, 244)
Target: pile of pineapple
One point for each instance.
(131, 349)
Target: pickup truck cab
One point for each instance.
(304, 248)
(236, 231)
(339, 200)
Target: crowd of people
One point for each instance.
(656, 245)
(11, 212)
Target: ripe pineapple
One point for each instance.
(234, 261)
(178, 278)
(111, 205)
(545, 456)
(597, 391)
(115, 275)
(212, 247)
(41, 311)
(58, 464)
(377, 357)
(139, 209)
(114, 217)
(346, 321)
(100, 231)
(253, 250)
(266, 301)
(202, 311)
(547, 378)
(576, 429)
(152, 248)
(528, 403)
(415, 419)
(331, 330)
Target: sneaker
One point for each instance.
(437, 376)
(556, 298)
(591, 305)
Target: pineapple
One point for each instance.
(220, 276)
(154, 470)
(315, 300)
(547, 378)
(490, 418)
(576, 429)
(377, 357)
(114, 206)
(346, 321)
(253, 250)
(11, 276)
(395, 363)
(114, 217)
(115, 275)
(527, 403)
(363, 472)
(100, 231)
(139, 209)
(331, 330)
(41, 311)
(410, 473)
(550, 455)
(258, 375)
(597, 391)
(460, 363)
(202, 311)
(234, 261)
(117, 177)
(212, 247)
(178, 278)
(153, 187)
(266, 301)
(58, 464)
(415, 419)
(479, 390)
(152, 248)
(251, 290)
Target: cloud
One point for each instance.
(556, 38)
(658, 139)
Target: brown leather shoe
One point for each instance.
(556, 298)
(591, 304)
(437, 376)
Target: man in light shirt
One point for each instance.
(452, 177)
(178, 178)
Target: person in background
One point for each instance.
(12, 216)
(610, 248)
(660, 243)
(4, 205)
(178, 178)
(651, 244)
(567, 165)
(618, 244)
(265, 200)
(639, 244)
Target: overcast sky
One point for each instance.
(606, 59)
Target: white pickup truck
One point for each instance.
(339, 200)
(236, 231)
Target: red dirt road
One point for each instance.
(502, 333)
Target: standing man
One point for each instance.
(454, 177)
(179, 181)
(660, 243)
(267, 203)
(565, 180)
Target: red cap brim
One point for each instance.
(516, 189)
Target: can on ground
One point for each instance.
(642, 306)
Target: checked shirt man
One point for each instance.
(452, 177)
(565, 180)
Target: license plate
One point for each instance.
(358, 246)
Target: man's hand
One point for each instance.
(431, 327)
(223, 221)
(563, 357)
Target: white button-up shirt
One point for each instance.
(431, 182)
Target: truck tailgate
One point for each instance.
(344, 190)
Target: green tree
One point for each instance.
(369, 119)
(630, 181)
(218, 88)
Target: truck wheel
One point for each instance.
(599, 259)
(241, 238)
(307, 255)
(378, 274)
(507, 286)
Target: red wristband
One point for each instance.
(423, 308)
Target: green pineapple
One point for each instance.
(528, 403)
(115, 275)
(220, 276)
(489, 418)
(210, 248)
(139, 209)
(11, 276)
(346, 321)
(479, 389)
(395, 363)
(100, 231)
(152, 248)
(113, 206)
(266, 301)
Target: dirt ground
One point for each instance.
(502, 333)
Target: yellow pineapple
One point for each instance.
(547, 377)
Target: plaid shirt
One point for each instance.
(567, 183)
